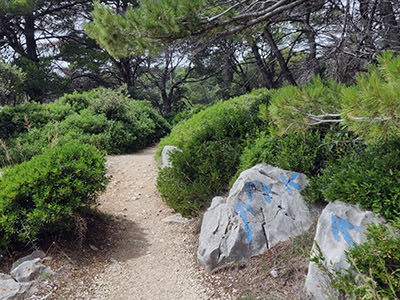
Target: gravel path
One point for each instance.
(152, 259)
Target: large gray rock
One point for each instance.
(165, 155)
(11, 289)
(339, 228)
(263, 208)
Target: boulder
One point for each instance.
(165, 155)
(263, 208)
(11, 289)
(339, 228)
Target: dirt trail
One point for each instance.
(150, 259)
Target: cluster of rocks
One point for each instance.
(20, 283)
(265, 207)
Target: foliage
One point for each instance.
(212, 141)
(18, 119)
(12, 81)
(371, 108)
(107, 119)
(290, 152)
(184, 131)
(369, 177)
(43, 195)
(374, 271)
(124, 35)
(187, 114)
(291, 108)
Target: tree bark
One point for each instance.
(391, 34)
(266, 74)
(312, 44)
(282, 63)
(29, 32)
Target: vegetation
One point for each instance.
(45, 194)
(211, 142)
(105, 118)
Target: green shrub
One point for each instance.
(212, 142)
(187, 114)
(184, 131)
(90, 117)
(374, 271)
(296, 152)
(12, 81)
(78, 101)
(369, 177)
(27, 145)
(15, 120)
(43, 195)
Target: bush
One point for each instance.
(212, 142)
(122, 126)
(12, 80)
(187, 114)
(184, 131)
(296, 152)
(15, 120)
(43, 195)
(368, 176)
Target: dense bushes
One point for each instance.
(212, 142)
(43, 195)
(290, 152)
(369, 177)
(105, 118)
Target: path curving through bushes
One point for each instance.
(149, 259)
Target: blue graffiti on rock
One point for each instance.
(241, 209)
(251, 189)
(290, 183)
(343, 226)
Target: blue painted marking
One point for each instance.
(266, 191)
(290, 182)
(241, 210)
(251, 189)
(343, 226)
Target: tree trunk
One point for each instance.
(29, 32)
(391, 34)
(228, 64)
(312, 55)
(266, 74)
(282, 63)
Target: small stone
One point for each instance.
(94, 248)
(274, 273)
(176, 218)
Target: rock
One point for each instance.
(274, 273)
(94, 248)
(35, 254)
(11, 289)
(165, 155)
(28, 270)
(263, 208)
(177, 218)
(339, 227)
